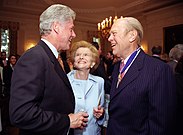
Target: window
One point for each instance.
(8, 37)
(5, 41)
(96, 40)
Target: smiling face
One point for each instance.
(13, 60)
(118, 38)
(83, 59)
(122, 38)
(65, 35)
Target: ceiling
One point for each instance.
(90, 11)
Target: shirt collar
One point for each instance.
(138, 50)
(53, 49)
(71, 74)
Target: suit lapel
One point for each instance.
(57, 66)
(131, 75)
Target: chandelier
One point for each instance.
(105, 26)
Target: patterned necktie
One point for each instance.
(123, 66)
(121, 74)
(61, 63)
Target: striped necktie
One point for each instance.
(121, 74)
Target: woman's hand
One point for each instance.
(98, 112)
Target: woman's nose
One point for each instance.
(81, 57)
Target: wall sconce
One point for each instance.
(144, 46)
(29, 45)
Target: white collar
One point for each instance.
(53, 49)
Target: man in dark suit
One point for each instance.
(7, 74)
(41, 98)
(156, 52)
(8, 71)
(143, 96)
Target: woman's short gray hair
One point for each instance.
(56, 12)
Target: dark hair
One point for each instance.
(95, 44)
(111, 52)
(11, 55)
(156, 50)
(63, 55)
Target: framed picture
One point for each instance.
(172, 35)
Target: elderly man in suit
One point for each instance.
(41, 99)
(143, 96)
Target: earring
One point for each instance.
(92, 65)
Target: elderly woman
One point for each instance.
(88, 89)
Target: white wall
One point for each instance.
(152, 22)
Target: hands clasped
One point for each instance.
(78, 120)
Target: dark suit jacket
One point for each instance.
(179, 88)
(41, 95)
(145, 101)
(7, 74)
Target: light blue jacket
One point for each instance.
(87, 94)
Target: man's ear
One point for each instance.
(55, 27)
(133, 35)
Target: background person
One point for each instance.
(179, 88)
(7, 75)
(175, 53)
(88, 89)
(8, 71)
(143, 96)
(3, 58)
(109, 62)
(100, 70)
(41, 99)
(156, 52)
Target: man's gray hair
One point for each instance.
(133, 23)
(54, 13)
(176, 52)
(179, 46)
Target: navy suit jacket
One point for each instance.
(41, 96)
(144, 102)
